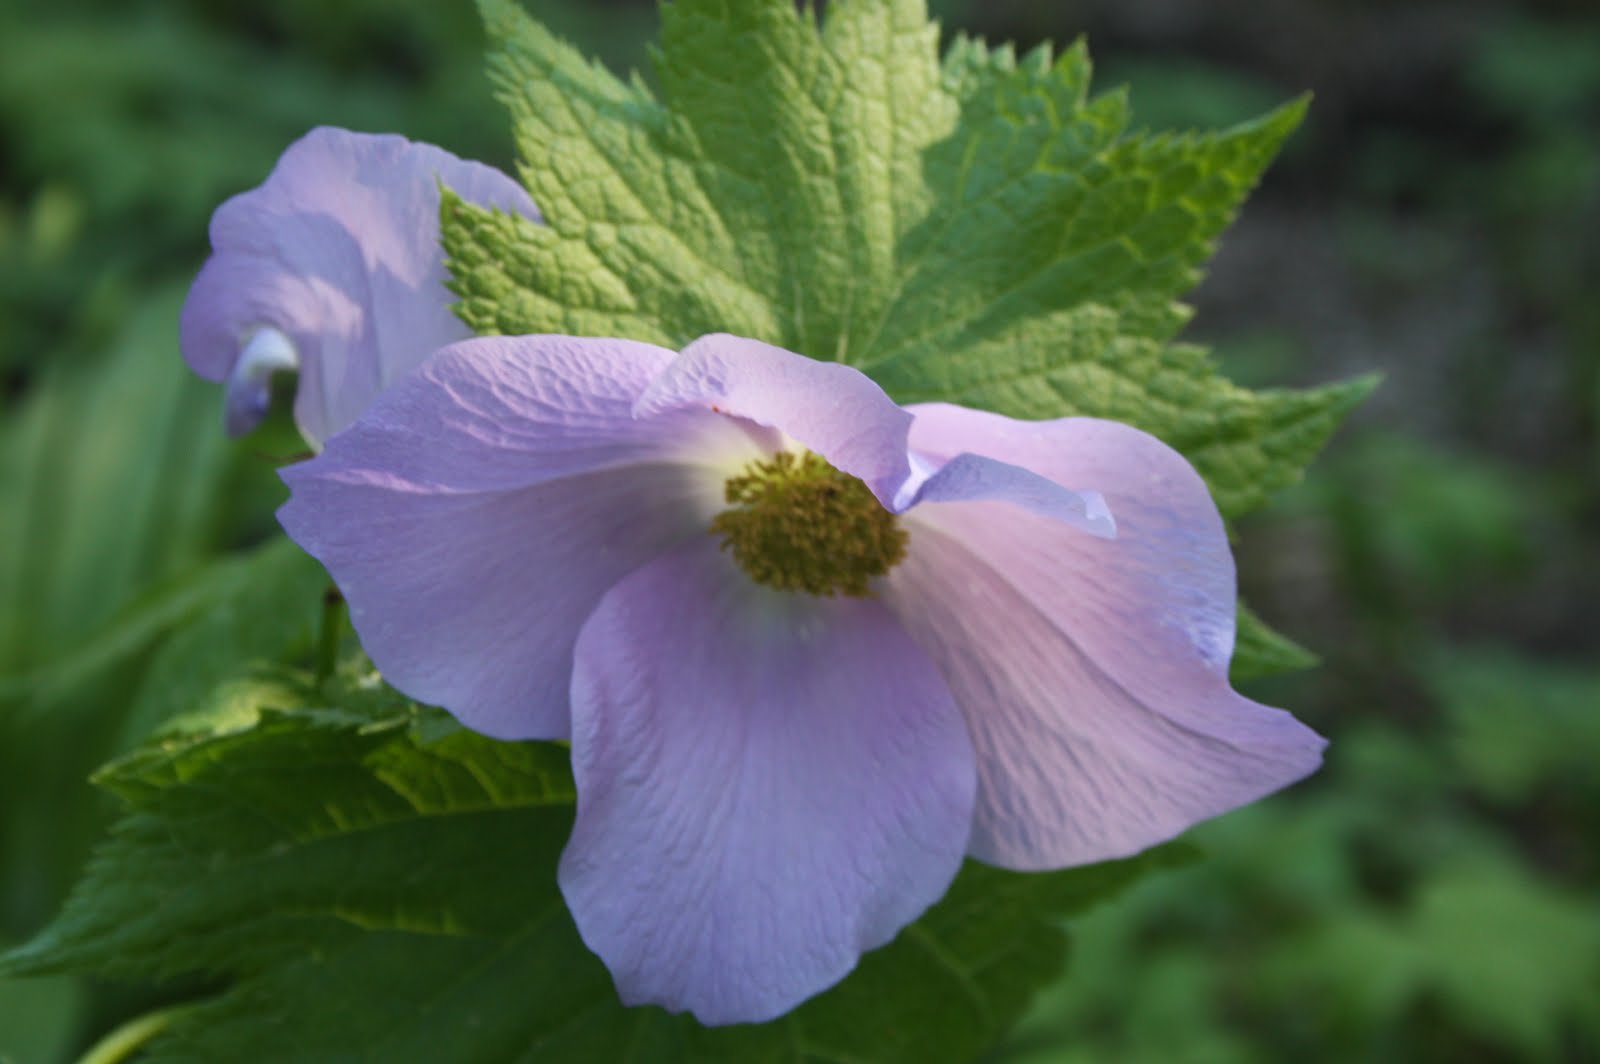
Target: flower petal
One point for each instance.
(976, 478)
(338, 250)
(249, 387)
(831, 409)
(480, 508)
(1093, 672)
(768, 785)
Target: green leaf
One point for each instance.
(263, 606)
(38, 1018)
(1259, 651)
(117, 486)
(109, 480)
(979, 230)
(203, 625)
(767, 198)
(1511, 956)
(375, 888)
(1518, 727)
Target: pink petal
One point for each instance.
(339, 250)
(831, 409)
(768, 785)
(1092, 672)
(976, 478)
(478, 511)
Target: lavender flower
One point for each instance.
(332, 267)
(811, 648)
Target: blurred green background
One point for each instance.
(1432, 896)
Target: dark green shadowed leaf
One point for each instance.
(375, 888)
(264, 605)
(118, 492)
(132, 444)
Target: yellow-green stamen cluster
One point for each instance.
(795, 523)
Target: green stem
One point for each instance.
(333, 612)
(131, 1037)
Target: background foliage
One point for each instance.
(1430, 897)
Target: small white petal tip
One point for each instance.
(1097, 515)
(248, 391)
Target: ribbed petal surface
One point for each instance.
(768, 785)
(1092, 671)
(478, 511)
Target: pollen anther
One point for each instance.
(795, 523)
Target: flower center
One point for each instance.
(795, 523)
